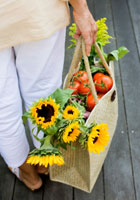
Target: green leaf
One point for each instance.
(52, 130)
(117, 54)
(122, 52)
(24, 119)
(72, 147)
(63, 145)
(113, 55)
(95, 69)
(33, 129)
(25, 116)
(38, 130)
(79, 107)
(40, 140)
(71, 46)
(61, 96)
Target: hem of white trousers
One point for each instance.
(24, 158)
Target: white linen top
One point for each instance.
(29, 20)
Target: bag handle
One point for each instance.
(101, 56)
(79, 51)
(92, 85)
(75, 61)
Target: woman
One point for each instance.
(32, 40)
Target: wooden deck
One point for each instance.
(120, 176)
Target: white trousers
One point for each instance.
(31, 70)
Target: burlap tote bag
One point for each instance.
(81, 169)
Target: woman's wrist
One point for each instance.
(86, 25)
(79, 6)
(84, 14)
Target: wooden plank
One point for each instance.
(7, 181)
(118, 176)
(134, 7)
(22, 192)
(54, 190)
(130, 71)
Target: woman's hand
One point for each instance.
(86, 26)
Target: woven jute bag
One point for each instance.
(81, 170)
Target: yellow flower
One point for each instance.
(98, 138)
(70, 112)
(33, 110)
(102, 33)
(40, 120)
(46, 160)
(45, 112)
(71, 133)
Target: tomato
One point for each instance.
(84, 88)
(90, 102)
(81, 76)
(75, 87)
(103, 83)
(97, 75)
(100, 95)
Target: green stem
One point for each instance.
(47, 143)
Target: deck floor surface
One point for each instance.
(120, 175)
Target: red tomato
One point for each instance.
(97, 75)
(90, 102)
(103, 83)
(75, 87)
(100, 95)
(84, 88)
(81, 76)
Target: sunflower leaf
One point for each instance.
(61, 96)
(38, 130)
(63, 145)
(72, 147)
(37, 138)
(25, 116)
(24, 119)
(33, 129)
(51, 130)
(79, 107)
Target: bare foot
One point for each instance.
(29, 176)
(42, 170)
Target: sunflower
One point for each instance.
(70, 112)
(46, 160)
(71, 132)
(98, 138)
(40, 120)
(45, 112)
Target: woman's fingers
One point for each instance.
(86, 26)
(77, 34)
(88, 42)
(94, 32)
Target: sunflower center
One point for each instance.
(46, 111)
(70, 112)
(95, 140)
(70, 132)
